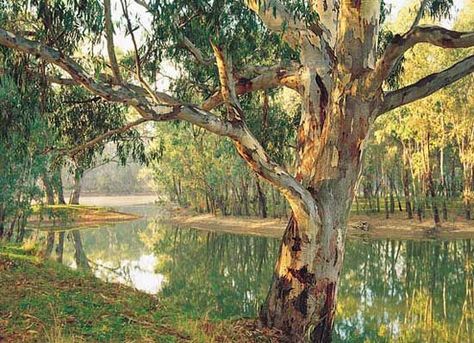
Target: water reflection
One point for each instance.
(390, 290)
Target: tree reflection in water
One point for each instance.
(408, 291)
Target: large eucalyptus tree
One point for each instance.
(326, 50)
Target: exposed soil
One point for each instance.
(374, 226)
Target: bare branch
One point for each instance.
(272, 78)
(434, 35)
(196, 52)
(102, 137)
(116, 93)
(144, 4)
(224, 66)
(419, 14)
(427, 85)
(109, 29)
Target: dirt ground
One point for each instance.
(397, 227)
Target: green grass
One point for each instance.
(48, 302)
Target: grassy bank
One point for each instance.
(75, 216)
(48, 302)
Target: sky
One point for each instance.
(139, 13)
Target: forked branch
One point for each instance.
(109, 32)
(426, 86)
(250, 149)
(434, 35)
(106, 135)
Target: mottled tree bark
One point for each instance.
(340, 84)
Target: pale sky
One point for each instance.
(138, 13)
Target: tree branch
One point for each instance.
(139, 98)
(109, 30)
(279, 20)
(108, 134)
(419, 14)
(434, 35)
(250, 149)
(272, 78)
(127, 94)
(196, 52)
(427, 86)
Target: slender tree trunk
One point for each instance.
(392, 199)
(49, 245)
(2, 221)
(468, 194)
(60, 247)
(21, 228)
(59, 188)
(48, 188)
(262, 200)
(76, 191)
(79, 254)
(432, 192)
(445, 210)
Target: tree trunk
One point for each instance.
(392, 198)
(58, 185)
(2, 221)
(468, 194)
(76, 191)
(302, 298)
(48, 189)
(21, 228)
(432, 194)
(262, 200)
(49, 245)
(79, 254)
(60, 247)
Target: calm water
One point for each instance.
(405, 291)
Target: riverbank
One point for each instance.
(75, 216)
(48, 302)
(374, 226)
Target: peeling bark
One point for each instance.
(341, 88)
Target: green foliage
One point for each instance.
(22, 142)
(205, 172)
(78, 118)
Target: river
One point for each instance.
(391, 290)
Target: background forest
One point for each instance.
(422, 162)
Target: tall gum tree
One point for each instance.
(339, 75)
